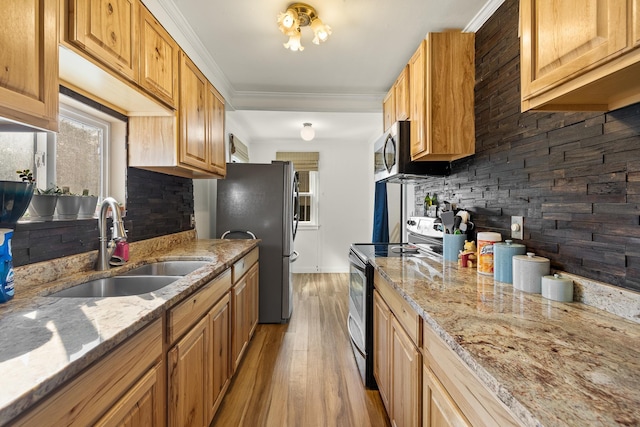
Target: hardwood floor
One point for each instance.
(303, 373)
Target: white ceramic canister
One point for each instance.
(486, 239)
(557, 288)
(528, 271)
(502, 262)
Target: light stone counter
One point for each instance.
(551, 363)
(45, 341)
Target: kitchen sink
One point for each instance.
(117, 286)
(166, 268)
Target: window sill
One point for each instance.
(308, 226)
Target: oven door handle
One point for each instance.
(356, 262)
(355, 344)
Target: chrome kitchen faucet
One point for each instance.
(118, 233)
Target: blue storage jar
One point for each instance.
(503, 264)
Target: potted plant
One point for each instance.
(43, 203)
(15, 197)
(88, 205)
(68, 205)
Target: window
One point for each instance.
(306, 165)
(88, 152)
(239, 153)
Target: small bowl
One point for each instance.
(14, 200)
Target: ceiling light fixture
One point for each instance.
(307, 133)
(300, 15)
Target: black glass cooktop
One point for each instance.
(366, 251)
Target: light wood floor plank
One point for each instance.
(303, 373)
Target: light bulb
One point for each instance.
(307, 133)
(294, 43)
(320, 30)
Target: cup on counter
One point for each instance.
(452, 244)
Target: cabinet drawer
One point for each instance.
(89, 395)
(243, 265)
(405, 314)
(181, 317)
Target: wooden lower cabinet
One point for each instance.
(405, 378)
(187, 372)
(220, 367)
(381, 361)
(438, 409)
(397, 363)
(244, 305)
(125, 387)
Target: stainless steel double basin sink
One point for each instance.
(141, 280)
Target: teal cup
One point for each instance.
(452, 244)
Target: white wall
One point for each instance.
(345, 201)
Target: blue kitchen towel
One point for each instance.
(380, 214)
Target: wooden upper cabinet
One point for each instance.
(192, 115)
(579, 55)
(395, 105)
(158, 59)
(215, 132)
(442, 81)
(107, 29)
(401, 93)
(29, 62)
(388, 109)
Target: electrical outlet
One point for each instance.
(517, 227)
(193, 220)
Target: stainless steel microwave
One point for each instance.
(392, 158)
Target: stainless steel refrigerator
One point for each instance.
(263, 199)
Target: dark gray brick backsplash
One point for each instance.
(575, 177)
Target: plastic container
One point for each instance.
(6, 265)
(557, 288)
(486, 240)
(528, 271)
(503, 262)
(452, 244)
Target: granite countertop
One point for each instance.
(551, 363)
(47, 340)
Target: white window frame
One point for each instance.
(313, 193)
(87, 117)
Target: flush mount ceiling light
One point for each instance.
(300, 15)
(307, 133)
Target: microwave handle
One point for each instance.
(384, 150)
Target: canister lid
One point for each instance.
(557, 279)
(531, 257)
(509, 244)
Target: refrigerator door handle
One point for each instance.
(294, 256)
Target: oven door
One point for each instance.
(359, 323)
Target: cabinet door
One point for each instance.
(388, 110)
(406, 367)
(192, 115)
(240, 329)
(220, 362)
(215, 133)
(561, 39)
(141, 406)
(635, 18)
(401, 93)
(417, 70)
(381, 360)
(438, 409)
(107, 29)
(188, 391)
(29, 62)
(158, 59)
(253, 283)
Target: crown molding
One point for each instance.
(318, 102)
(482, 16)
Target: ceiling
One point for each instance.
(337, 85)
